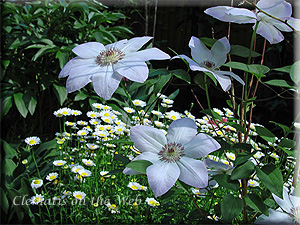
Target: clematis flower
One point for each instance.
(105, 66)
(210, 60)
(289, 212)
(173, 156)
(268, 27)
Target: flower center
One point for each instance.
(209, 64)
(171, 152)
(110, 56)
(296, 214)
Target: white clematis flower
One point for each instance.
(268, 27)
(210, 60)
(290, 213)
(173, 156)
(105, 66)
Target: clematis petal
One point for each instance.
(199, 51)
(106, 82)
(269, 32)
(117, 45)
(193, 172)
(219, 51)
(295, 23)
(89, 49)
(277, 8)
(193, 65)
(74, 83)
(134, 44)
(231, 14)
(148, 156)
(133, 68)
(182, 131)
(234, 76)
(162, 176)
(223, 80)
(200, 146)
(75, 63)
(284, 203)
(147, 139)
(150, 54)
(275, 217)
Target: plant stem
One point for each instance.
(129, 98)
(206, 91)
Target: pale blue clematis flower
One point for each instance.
(268, 27)
(173, 156)
(289, 212)
(105, 66)
(210, 60)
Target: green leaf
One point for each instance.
(47, 145)
(139, 165)
(182, 74)
(61, 93)
(6, 105)
(242, 146)
(208, 41)
(80, 96)
(8, 167)
(242, 51)
(256, 69)
(18, 98)
(10, 152)
(256, 203)
(237, 126)
(62, 58)
(285, 142)
(271, 177)
(242, 158)
(122, 158)
(295, 72)
(4, 201)
(173, 95)
(32, 105)
(231, 207)
(285, 69)
(265, 134)
(279, 83)
(163, 80)
(285, 128)
(212, 77)
(243, 171)
(225, 181)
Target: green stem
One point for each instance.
(129, 98)
(206, 91)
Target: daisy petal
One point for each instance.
(231, 14)
(182, 131)
(106, 82)
(147, 139)
(150, 54)
(88, 50)
(200, 146)
(199, 51)
(134, 44)
(133, 68)
(269, 32)
(275, 217)
(162, 176)
(193, 172)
